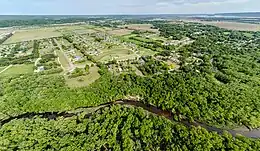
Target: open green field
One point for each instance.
(117, 54)
(142, 27)
(86, 80)
(157, 37)
(62, 59)
(2, 68)
(78, 29)
(120, 32)
(32, 34)
(137, 71)
(146, 52)
(18, 69)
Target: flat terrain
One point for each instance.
(230, 25)
(33, 34)
(146, 52)
(142, 27)
(120, 32)
(78, 29)
(18, 69)
(118, 54)
(2, 68)
(84, 80)
(62, 59)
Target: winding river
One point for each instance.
(255, 133)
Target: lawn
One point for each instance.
(118, 54)
(137, 71)
(87, 80)
(18, 69)
(32, 34)
(146, 52)
(157, 37)
(2, 68)
(250, 35)
(62, 59)
(143, 39)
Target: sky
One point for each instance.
(104, 7)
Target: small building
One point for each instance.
(41, 68)
(77, 58)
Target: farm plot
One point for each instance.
(141, 27)
(84, 80)
(120, 32)
(32, 34)
(80, 29)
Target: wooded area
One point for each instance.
(217, 83)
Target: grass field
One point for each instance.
(137, 71)
(18, 69)
(2, 68)
(146, 52)
(230, 25)
(62, 59)
(118, 54)
(120, 32)
(32, 34)
(157, 37)
(142, 27)
(87, 80)
(78, 29)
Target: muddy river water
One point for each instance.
(255, 133)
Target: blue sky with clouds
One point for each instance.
(63, 7)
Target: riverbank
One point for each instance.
(255, 133)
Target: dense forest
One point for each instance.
(114, 128)
(217, 84)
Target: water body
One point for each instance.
(255, 133)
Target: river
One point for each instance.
(255, 133)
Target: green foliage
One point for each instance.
(152, 66)
(77, 72)
(217, 83)
(87, 68)
(115, 128)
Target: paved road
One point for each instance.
(6, 69)
(36, 62)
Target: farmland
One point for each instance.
(142, 27)
(33, 34)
